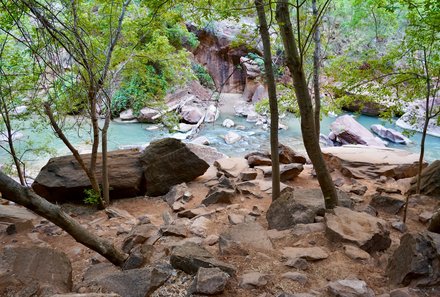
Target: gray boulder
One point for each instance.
(219, 195)
(148, 115)
(386, 203)
(168, 162)
(62, 178)
(209, 281)
(287, 171)
(349, 288)
(365, 231)
(416, 261)
(191, 114)
(299, 207)
(189, 257)
(36, 270)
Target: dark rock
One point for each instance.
(35, 270)
(288, 155)
(173, 230)
(430, 180)
(237, 239)
(295, 276)
(258, 159)
(298, 263)
(416, 261)
(399, 226)
(189, 257)
(134, 283)
(388, 190)
(358, 189)
(299, 207)
(359, 228)
(386, 203)
(248, 175)
(225, 182)
(191, 213)
(209, 281)
(168, 162)
(148, 115)
(219, 195)
(249, 188)
(177, 193)
(404, 292)
(16, 218)
(254, 279)
(62, 178)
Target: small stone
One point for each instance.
(295, 276)
(308, 253)
(247, 175)
(358, 189)
(235, 219)
(211, 239)
(200, 226)
(253, 279)
(232, 137)
(349, 288)
(228, 123)
(256, 212)
(210, 281)
(298, 263)
(356, 253)
(400, 226)
(425, 216)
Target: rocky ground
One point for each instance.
(170, 237)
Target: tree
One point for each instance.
(270, 79)
(294, 62)
(14, 192)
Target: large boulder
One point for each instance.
(359, 228)
(191, 114)
(40, 271)
(349, 131)
(168, 162)
(390, 134)
(206, 153)
(365, 162)
(62, 178)
(430, 180)
(299, 207)
(416, 262)
(148, 115)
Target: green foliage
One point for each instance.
(92, 197)
(286, 101)
(202, 75)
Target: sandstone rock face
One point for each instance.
(371, 162)
(220, 57)
(189, 257)
(298, 207)
(349, 131)
(62, 179)
(168, 162)
(37, 270)
(390, 134)
(430, 180)
(416, 261)
(363, 230)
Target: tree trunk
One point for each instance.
(308, 130)
(105, 183)
(273, 103)
(12, 191)
(316, 68)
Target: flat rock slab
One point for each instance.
(206, 153)
(231, 167)
(287, 171)
(366, 162)
(62, 178)
(349, 288)
(299, 207)
(359, 228)
(244, 236)
(34, 270)
(139, 282)
(308, 253)
(189, 257)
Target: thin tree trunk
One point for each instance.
(273, 103)
(425, 124)
(316, 70)
(105, 183)
(308, 130)
(12, 191)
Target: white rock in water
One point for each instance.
(127, 115)
(252, 117)
(390, 134)
(212, 114)
(232, 137)
(228, 123)
(20, 110)
(184, 127)
(202, 140)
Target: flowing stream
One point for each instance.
(254, 138)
